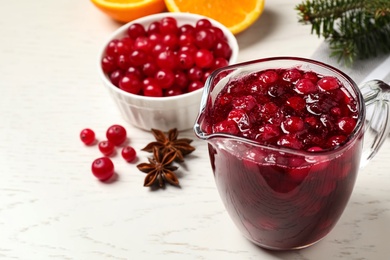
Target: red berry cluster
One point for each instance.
(286, 107)
(165, 59)
(103, 167)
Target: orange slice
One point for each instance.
(128, 10)
(236, 15)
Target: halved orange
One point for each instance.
(236, 15)
(128, 10)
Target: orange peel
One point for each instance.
(127, 10)
(235, 15)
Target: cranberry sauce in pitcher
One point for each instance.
(287, 186)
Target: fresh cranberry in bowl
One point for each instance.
(173, 54)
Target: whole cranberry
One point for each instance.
(129, 153)
(102, 168)
(116, 134)
(87, 136)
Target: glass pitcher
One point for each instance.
(282, 198)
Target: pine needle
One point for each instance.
(354, 29)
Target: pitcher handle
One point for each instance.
(376, 96)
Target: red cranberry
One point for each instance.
(103, 168)
(111, 49)
(138, 57)
(157, 49)
(136, 30)
(123, 61)
(186, 61)
(203, 23)
(116, 134)
(328, 83)
(153, 28)
(204, 58)
(219, 35)
(219, 63)
(295, 102)
(130, 83)
(165, 78)
(269, 76)
(187, 29)
(195, 74)
(106, 147)
(268, 110)
(154, 38)
(205, 39)
(116, 76)
(128, 153)
(122, 46)
(168, 25)
(293, 124)
(87, 136)
(292, 75)
(134, 71)
(125, 45)
(305, 86)
(151, 88)
(181, 80)
(222, 49)
(186, 39)
(167, 59)
(143, 43)
(171, 41)
(149, 69)
(310, 75)
(244, 102)
(108, 64)
(346, 125)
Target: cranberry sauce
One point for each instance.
(281, 199)
(290, 108)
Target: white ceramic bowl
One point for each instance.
(163, 113)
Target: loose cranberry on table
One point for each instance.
(103, 168)
(164, 58)
(129, 153)
(116, 134)
(106, 147)
(87, 136)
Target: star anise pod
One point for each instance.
(165, 144)
(160, 169)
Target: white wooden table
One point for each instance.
(51, 207)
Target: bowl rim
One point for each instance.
(231, 39)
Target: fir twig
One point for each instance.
(354, 28)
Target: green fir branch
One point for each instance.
(354, 29)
